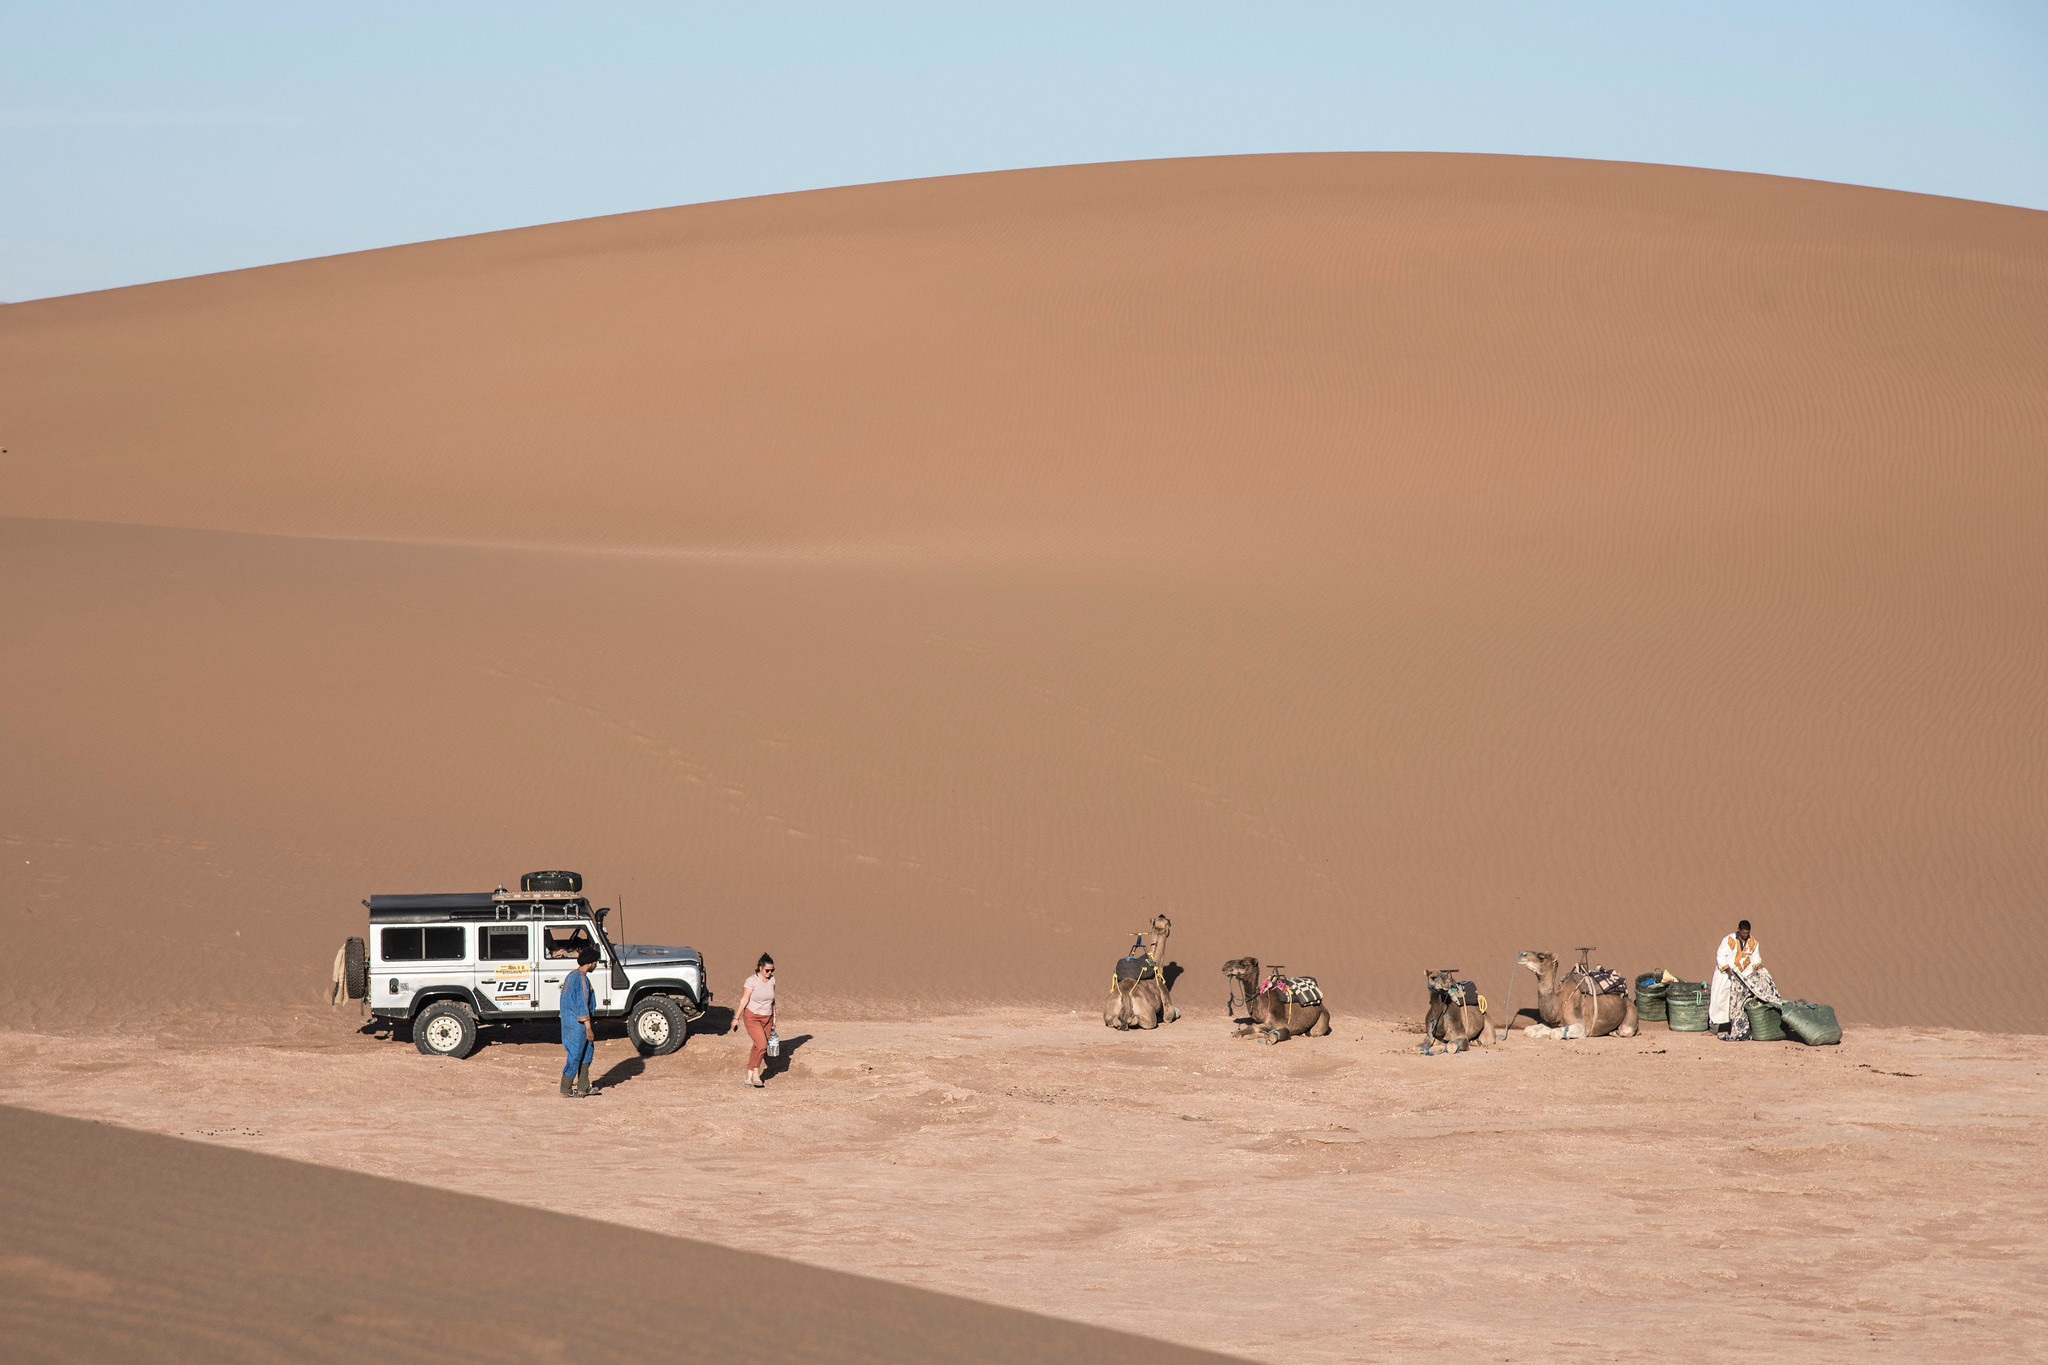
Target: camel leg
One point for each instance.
(1628, 1021)
(1321, 1027)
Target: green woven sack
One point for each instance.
(1766, 1025)
(1688, 1015)
(1650, 998)
(1813, 1025)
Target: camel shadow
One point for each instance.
(777, 1065)
(1171, 974)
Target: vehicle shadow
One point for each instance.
(523, 1031)
(546, 1031)
(775, 1066)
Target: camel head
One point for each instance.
(1544, 965)
(1244, 970)
(1161, 927)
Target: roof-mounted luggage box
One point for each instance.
(570, 883)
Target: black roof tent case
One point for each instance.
(440, 900)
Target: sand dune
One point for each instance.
(126, 1245)
(1376, 562)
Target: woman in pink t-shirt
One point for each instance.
(757, 1012)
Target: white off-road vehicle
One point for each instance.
(453, 964)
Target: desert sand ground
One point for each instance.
(1340, 1199)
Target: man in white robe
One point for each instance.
(1739, 977)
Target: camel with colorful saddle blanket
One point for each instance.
(1278, 1006)
(1586, 1001)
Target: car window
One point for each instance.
(566, 940)
(499, 944)
(427, 943)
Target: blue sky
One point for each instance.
(144, 141)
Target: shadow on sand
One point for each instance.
(777, 1065)
(621, 1071)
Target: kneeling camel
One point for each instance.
(1148, 1003)
(1275, 1015)
(1450, 1020)
(1561, 1004)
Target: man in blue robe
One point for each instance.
(579, 1038)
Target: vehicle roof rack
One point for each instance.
(479, 905)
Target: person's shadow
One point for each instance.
(622, 1071)
(777, 1065)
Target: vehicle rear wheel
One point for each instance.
(446, 1028)
(657, 1026)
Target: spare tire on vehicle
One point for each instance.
(355, 969)
(572, 882)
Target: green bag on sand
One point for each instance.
(1765, 1023)
(1813, 1025)
(1686, 1016)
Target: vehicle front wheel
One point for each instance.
(657, 1026)
(446, 1028)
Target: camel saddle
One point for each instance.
(1137, 967)
(1301, 990)
(1600, 981)
(1457, 992)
